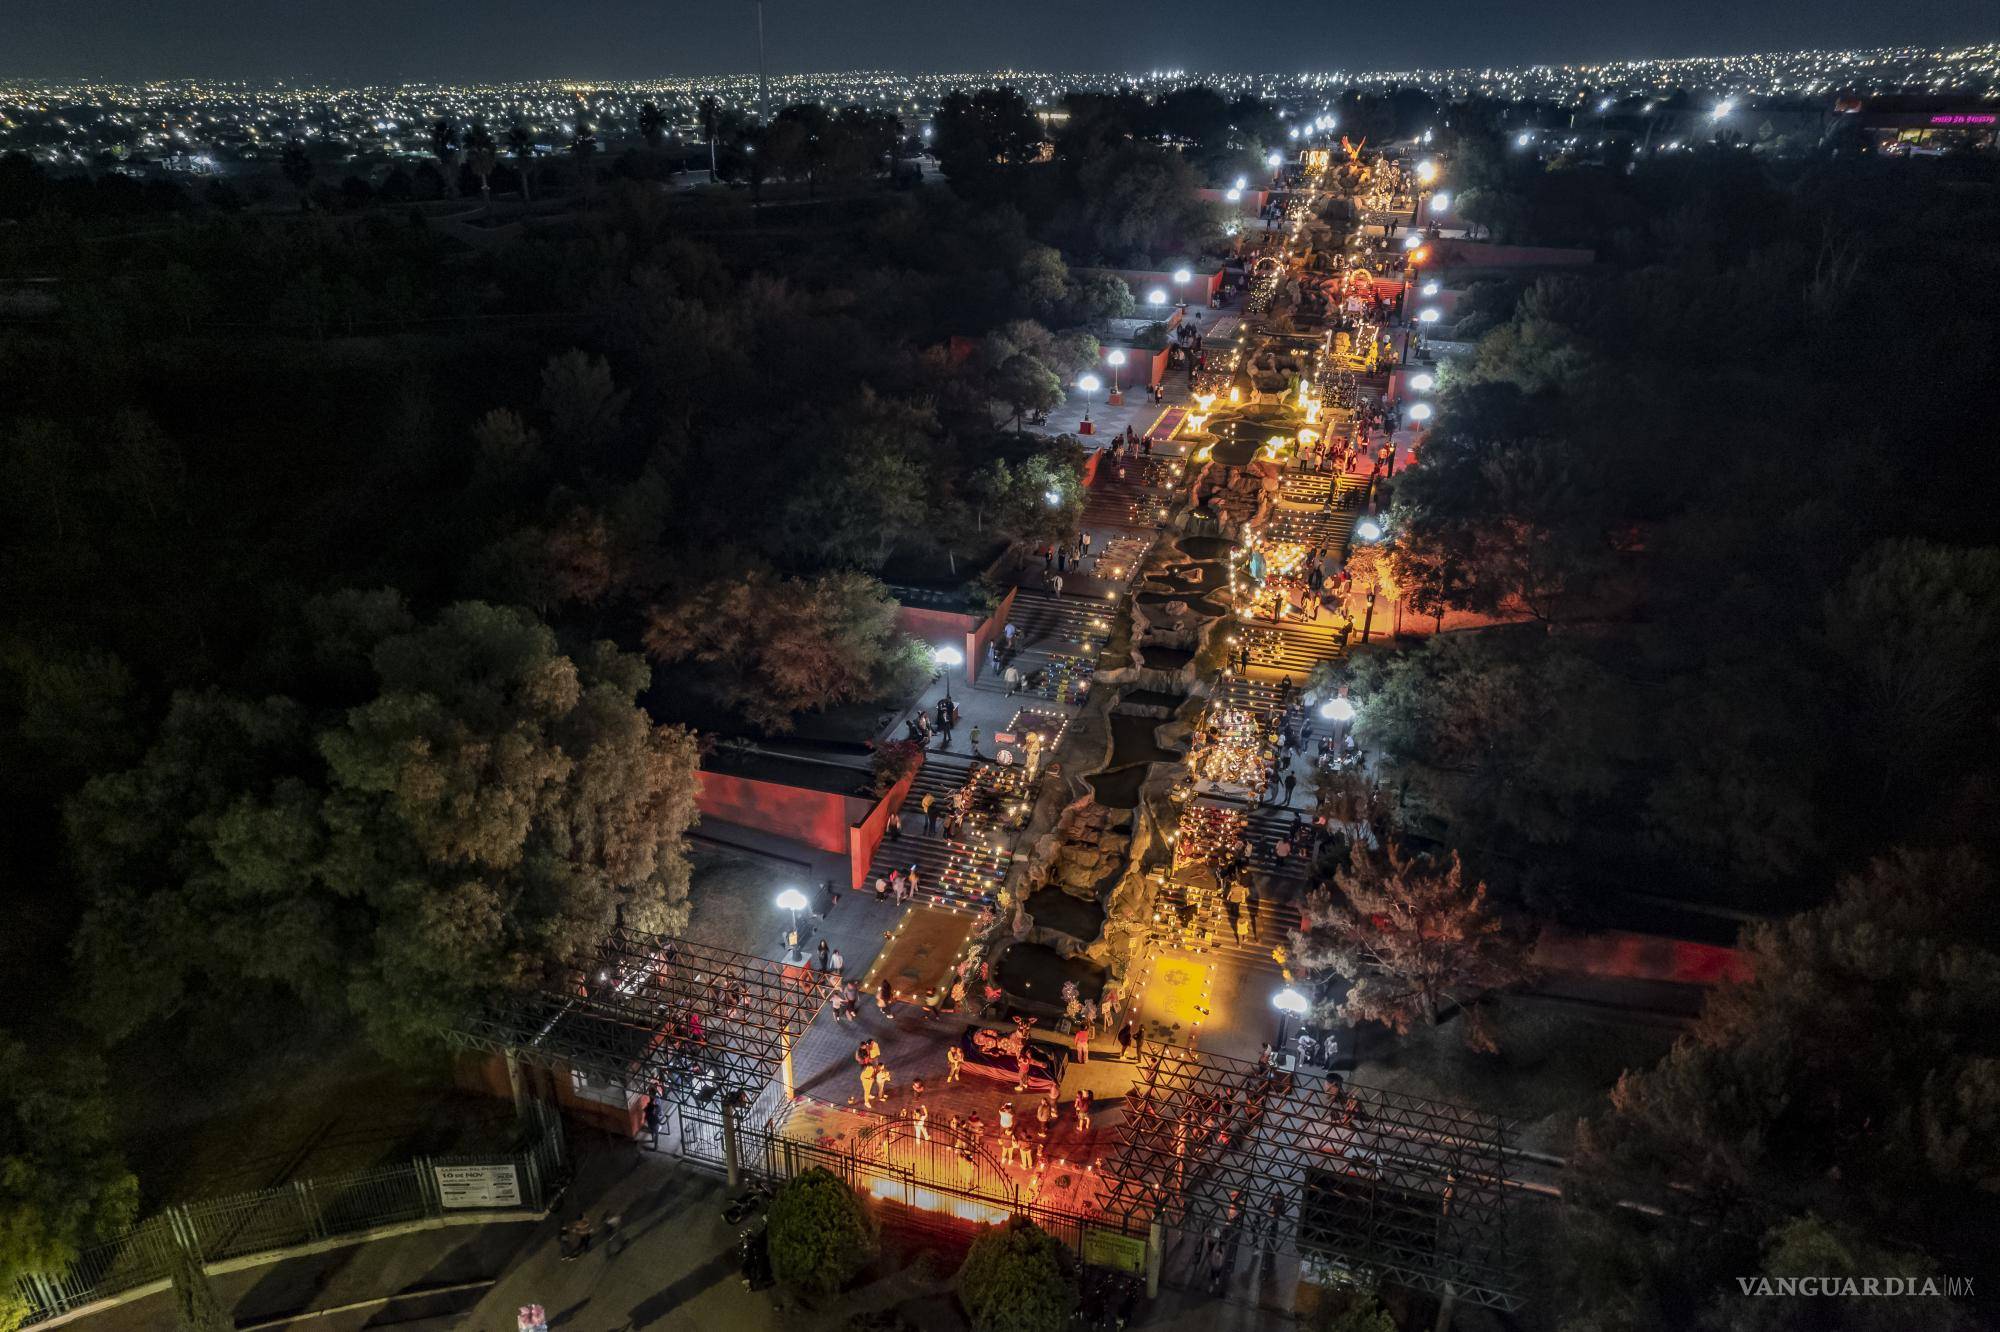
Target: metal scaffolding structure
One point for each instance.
(1409, 1190)
(1218, 1150)
(661, 1015)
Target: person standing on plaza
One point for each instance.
(1125, 1039)
(837, 964)
(1083, 1045)
(953, 1061)
(920, 1122)
(1085, 1100)
(822, 955)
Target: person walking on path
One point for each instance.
(822, 954)
(930, 813)
(953, 1059)
(1291, 784)
(1083, 1045)
(837, 963)
(974, 742)
(1055, 584)
(1125, 1039)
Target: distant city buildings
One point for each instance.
(203, 126)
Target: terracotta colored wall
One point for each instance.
(989, 628)
(1639, 957)
(866, 835)
(1484, 254)
(818, 818)
(1197, 288)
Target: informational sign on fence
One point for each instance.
(1108, 1248)
(478, 1186)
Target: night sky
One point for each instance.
(501, 40)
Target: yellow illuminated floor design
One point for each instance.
(1173, 997)
(920, 952)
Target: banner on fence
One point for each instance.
(1108, 1248)
(478, 1186)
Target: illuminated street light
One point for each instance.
(1441, 201)
(1420, 412)
(1181, 276)
(1275, 158)
(794, 901)
(1337, 710)
(1423, 383)
(1428, 316)
(948, 657)
(1412, 241)
(1431, 287)
(1368, 530)
(1233, 194)
(1290, 1004)
(1427, 171)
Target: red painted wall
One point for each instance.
(1197, 288)
(865, 836)
(989, 628)
(1639, 957)
(820, 819)
(1485, 254)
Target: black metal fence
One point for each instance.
(306, 1211)
(932, 1192)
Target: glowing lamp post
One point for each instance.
(1290, 1004)
(1089, 384)
(1421, 412)
(1181, 276)
(946, 658)
(1115, 358)
(1340, 713)
(794, 901)
(1423, 383)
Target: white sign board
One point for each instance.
(478, 1186)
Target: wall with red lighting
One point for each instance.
(1630, 956)
(988, 630)
(866, 835)
(1485, 254)
(1198, 288)
(820, 819)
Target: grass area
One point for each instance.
(1555, 1065)
(292, 1112)
(732, 896)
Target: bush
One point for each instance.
(820, 1234)
(1016, 1279)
